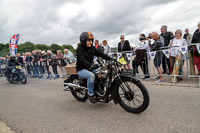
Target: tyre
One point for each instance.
(24, 79)
(79, 94)
(132, 95)
(9, 80)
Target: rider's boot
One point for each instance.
(92, 99)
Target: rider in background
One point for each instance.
(85, 56)
(12, 62)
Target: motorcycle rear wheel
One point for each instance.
(79, 94)
(24, 79)
(136, 98)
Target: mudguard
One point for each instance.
(114, 85)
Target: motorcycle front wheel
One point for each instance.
(79, 94)
(133, 95)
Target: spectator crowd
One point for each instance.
(38, 63)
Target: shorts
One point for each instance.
(157, 63)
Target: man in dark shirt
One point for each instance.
(97, 46)
(167, 36)
(19, 58)
(124, 45)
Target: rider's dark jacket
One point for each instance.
(85, 56)
(13, 63)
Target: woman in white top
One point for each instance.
(175, 51)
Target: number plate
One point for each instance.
(128, 72)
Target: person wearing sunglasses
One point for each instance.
(175, 53)
(124, 45)
(167, 36)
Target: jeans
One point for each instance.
(35, 71)
(55, 71)
(85, 74)
(29, 69)
(41, 70)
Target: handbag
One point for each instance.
(63, 62)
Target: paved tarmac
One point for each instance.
(41, 106)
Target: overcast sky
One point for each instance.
(62, 21)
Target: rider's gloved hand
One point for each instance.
(94, 66)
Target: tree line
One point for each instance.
(29, 46)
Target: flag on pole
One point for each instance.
(13, 43)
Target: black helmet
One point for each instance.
(12, 56)
(86, 36)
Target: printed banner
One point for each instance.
(198, 48)
(110, 54)
(183, 49)
(13, 43)
(166, 52)
(152, 54)
(129, 55)
(119, 54)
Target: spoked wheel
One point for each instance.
(133, 95)
(79, 94)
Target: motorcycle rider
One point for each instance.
(85, 55)
(12, 62)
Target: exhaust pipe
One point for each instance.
(74, 85)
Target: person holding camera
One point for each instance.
(156, 46)
(142, 56)
(61, 63)
(68, 55)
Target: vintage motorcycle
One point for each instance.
(16, 75)
(112, 83)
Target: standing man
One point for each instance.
(97, 46)
(187, 36)
(124, 45)
(68, 55)
(194, 50)
(7, 58)
(159, 54)
(167, 36)
(19, 58)
(35, 60)
(107, 48)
